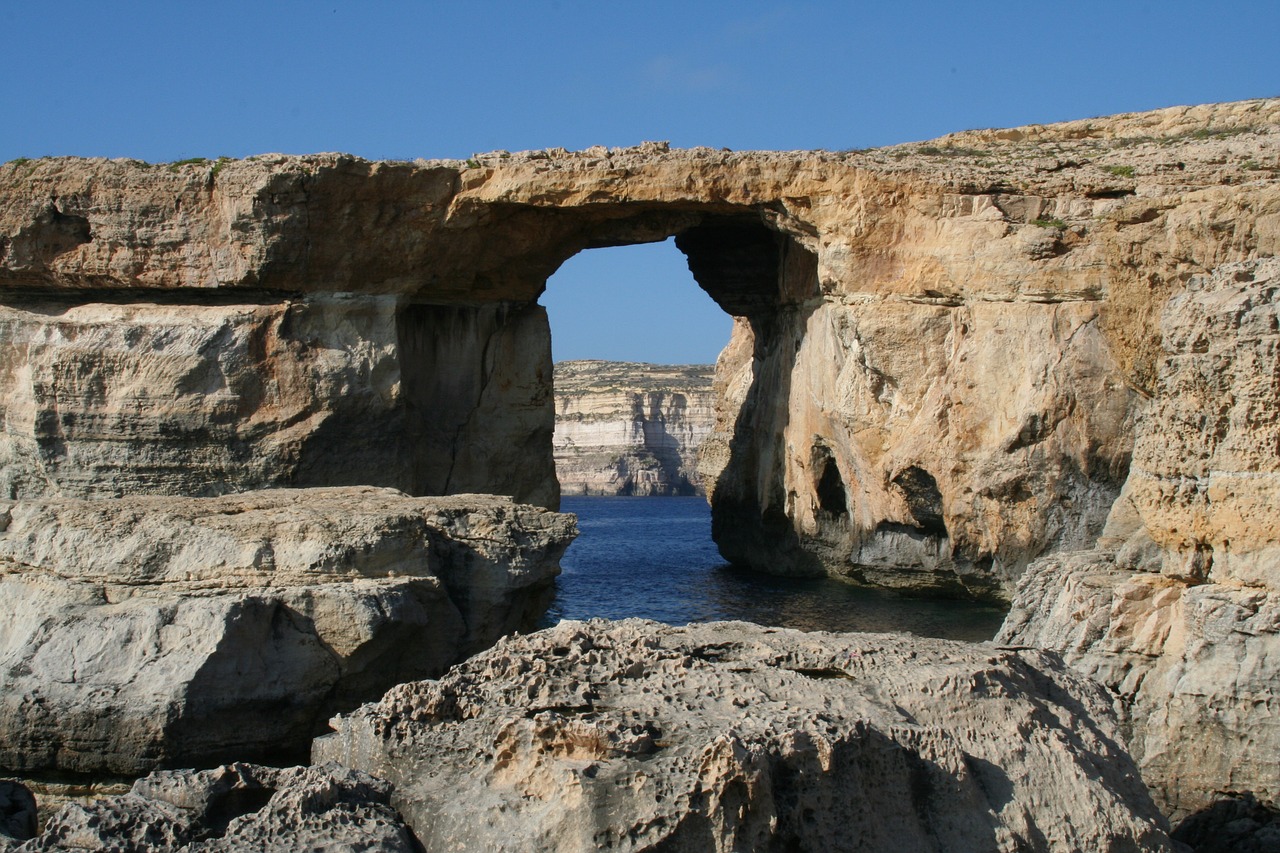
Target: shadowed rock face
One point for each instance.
(938, 355)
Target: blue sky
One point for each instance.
(167, 81)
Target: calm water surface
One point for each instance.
(654, 558)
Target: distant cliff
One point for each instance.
(631, 429)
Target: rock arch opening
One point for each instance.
(634, 303)
(660, 414)
(477, 379)
(634, 341)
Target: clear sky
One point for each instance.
(169, 80)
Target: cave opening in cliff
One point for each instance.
(830, 488)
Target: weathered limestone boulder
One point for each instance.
(234, 808)
(149, 632)
(1178, 611)
(939, 349)
(728, 736)
(631, 429)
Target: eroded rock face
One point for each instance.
(728, 736)
(144, 632)
(105, 400)
(236, 807)
(1179, 610)
(933, 449)
(939, 351)
(631, 429)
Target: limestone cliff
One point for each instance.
(938, 356)
(1178, 610)
(631, 429)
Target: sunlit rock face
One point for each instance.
(1178, 609)
(939, 353)
(631, 429)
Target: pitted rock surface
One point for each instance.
(729, 736)
(234, 808)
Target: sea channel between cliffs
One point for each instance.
(277, 460)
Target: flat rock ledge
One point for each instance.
(634, 735)
(231, 808)
(151, 632)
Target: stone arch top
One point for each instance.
(435, 231)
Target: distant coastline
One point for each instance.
(631, 428)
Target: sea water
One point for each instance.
(654, 558)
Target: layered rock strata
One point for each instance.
(631, 429)
(129, 397)
(939, 348)
(232, 808)
(728, 736)
(1178, 610)
(147, 632)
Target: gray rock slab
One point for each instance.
(152, 632)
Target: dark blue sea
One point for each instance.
(654, 558)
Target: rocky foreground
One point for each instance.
(1035, 365)
(729, 736)
(166, 632)
(631, 429)
(720, 737)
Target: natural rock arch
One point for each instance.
(460, 361)
(208, 328)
